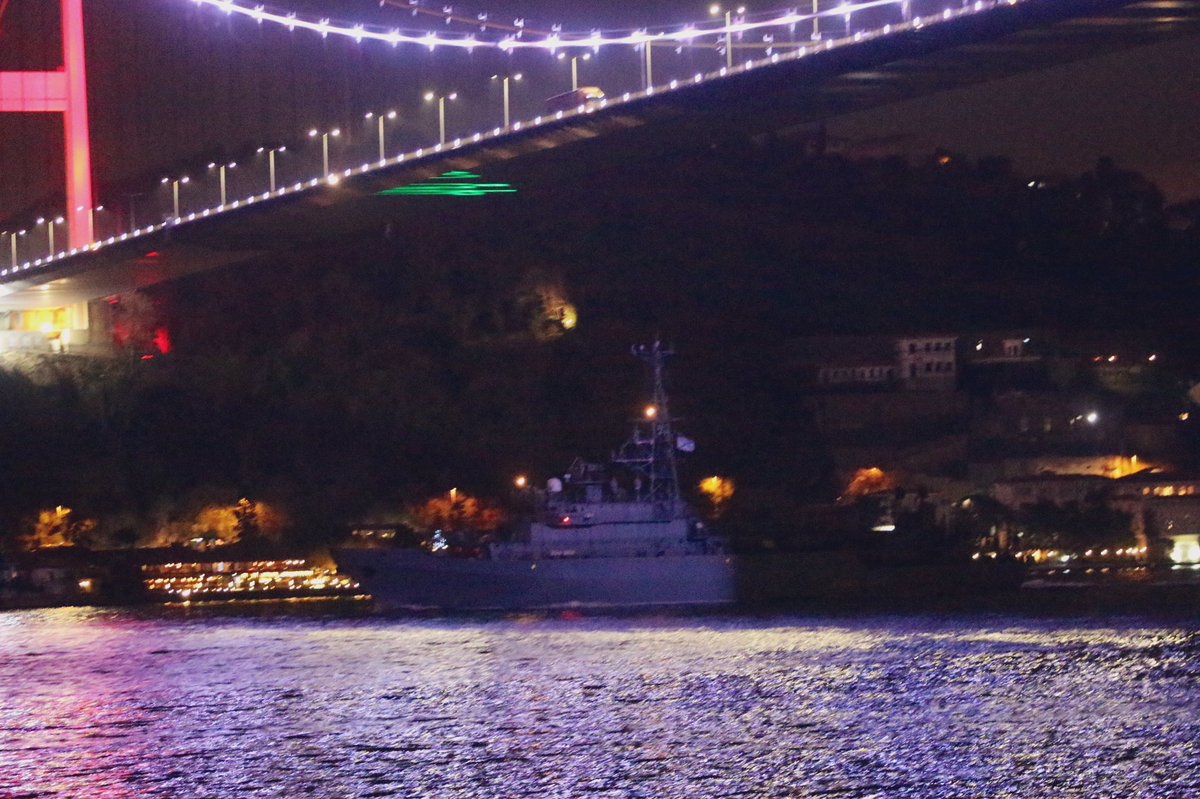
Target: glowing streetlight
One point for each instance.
(504, 79)
(175, 184)
(50, 223)
(648, 66)
(441, 104)
(715, 9)
(575, 59)
(271, 164)
(520, 481)
(221, 173)
(380, 119)
(91, 217)
(12, 239)
(650, 412)
(324, 145)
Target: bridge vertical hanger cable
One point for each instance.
(293, 92)
(231, 96)
(345, 84)
(208, 80)
(265, 99)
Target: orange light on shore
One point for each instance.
(520, 481)
(650, 412)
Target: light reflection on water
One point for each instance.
(116, 704)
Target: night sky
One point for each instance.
(1140, 106)
(171, 82)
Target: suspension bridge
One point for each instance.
(757, 72)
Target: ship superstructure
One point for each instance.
(630, 507)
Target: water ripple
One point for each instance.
(116, 704)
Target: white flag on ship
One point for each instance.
(685, 444)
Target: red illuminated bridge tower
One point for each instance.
(62, 91)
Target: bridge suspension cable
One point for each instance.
(555, 40)
(482, 19)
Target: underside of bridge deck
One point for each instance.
(769, 100)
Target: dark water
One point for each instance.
(117, 704)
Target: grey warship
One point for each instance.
(615, 536)
(621, 536)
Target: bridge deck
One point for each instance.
(1030, 36)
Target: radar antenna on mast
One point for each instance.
(650, 450)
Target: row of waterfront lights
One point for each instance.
(332, 178)
(1053, 556)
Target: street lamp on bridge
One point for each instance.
(324, 145)
(221, 173)
(845, 10)
(175, 184)
(379, 128)
(50, 223)
(715, 9)
(271, 164)
(441, 104)
(91, 218)
(12, 238)
(504, 79)
(575, 59)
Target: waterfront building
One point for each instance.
(927, 363)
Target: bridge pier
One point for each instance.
(62, 91)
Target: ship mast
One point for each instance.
(650, 451)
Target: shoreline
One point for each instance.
(1034, 599)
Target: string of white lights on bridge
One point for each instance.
(550, 43)
(553, 41)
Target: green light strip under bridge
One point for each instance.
(450, 184)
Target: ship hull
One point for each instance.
(414, 579)
(411, 579)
